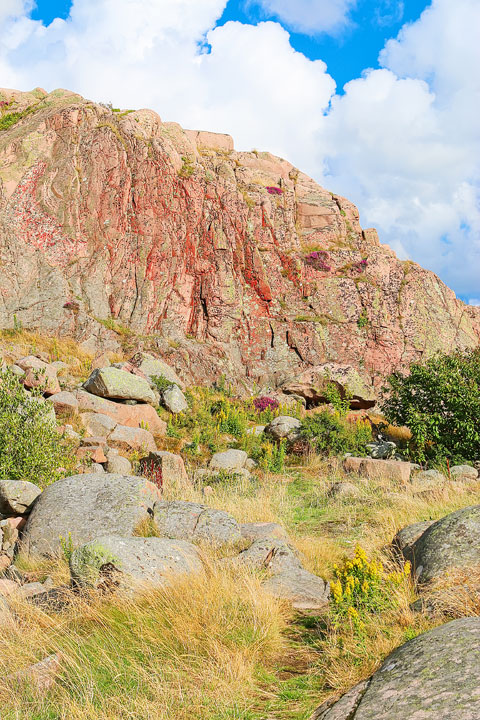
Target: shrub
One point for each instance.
(362, 586)
(330, 434)
(161, 382)
(318, 260)
(439, 401)
(29, 441)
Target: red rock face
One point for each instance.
(238, 263)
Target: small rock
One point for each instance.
(17, 496)
(271, 554)
(282, 427)
(174, 399)
(262, 531)
(463, 473)
(43, 674)
(256, 431)
(343, 489)
(64, 402)
(116, 384)
(428, 478)
(29, 590)
(127, 438)
(97, 468)
(229, 460)
(118, 464)
(98, 424)
(7, 587)
(301, 588)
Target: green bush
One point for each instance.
(331, 434)
(161, 383)
(30, 447)
(439, 402)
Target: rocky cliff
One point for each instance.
(227, 262)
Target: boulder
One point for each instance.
(39, 373)
(428, 479)
(152, 366)
(230, 460)
(381, 450)
(433, 676)
(166, 470)
(311, 384)
(271, 554)
(87, 506)
(64, 402)
(112, 383)
(98, 424)
(132, 563)
(303, 589)
(128, 438)
(463, 473)
(407, 537)
(93, 453)
(17, 496)
(284, 427)
(450, 543)
(118, 464)
(194, 522)
(142, 416)
(263, 530)
(394, 470)
(174, 399)
(343, 489)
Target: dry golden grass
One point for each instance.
(16, 344)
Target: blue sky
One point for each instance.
(378, 101)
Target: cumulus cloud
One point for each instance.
(309, 16)
(403, 141)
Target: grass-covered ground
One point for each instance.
(217, 647)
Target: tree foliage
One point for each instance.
(439, 401)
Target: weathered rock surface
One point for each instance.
(204, 250)
(17, 496)
(87, 506)
(428, 478)
(194, 522)
(151, 367)
(64, 402)
(452, 542)
(301, 588)
(433, 676)
(272, 554)
(262, 530)
(174, 399)
(465, 473)
(407, 537)
(229, 460)
(142, 415)
(132, 563)
(393, 470)
(115, 384)
(284, 427)
(132, 438)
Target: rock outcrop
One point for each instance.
(229, 263)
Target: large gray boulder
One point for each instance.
(406, 538)
(452, 542)
(119, 385)
(88, 506)
(151, 367)
(284, 427)
(432, 677)
(194, 522)
(132, 563)
(17, 496)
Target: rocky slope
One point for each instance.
(236, 263)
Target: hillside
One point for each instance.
(227, 263)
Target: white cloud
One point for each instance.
(474, 301)
(309, 16)
(403, 142)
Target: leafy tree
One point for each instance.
(30, 447)
(439, 401)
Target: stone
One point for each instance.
(152, 366)
(301, 588)
(407, 537)
(166, 470)
(453, 542)
(343, 490)
(7, 587)
(428, 479)
(97, 468)
(263, 530)
(93, 453)
(88, 506)
(29, 590)
(272, 554)
(98, 424)
(6, 617)
(118, 465)
(194, 522)
(128, 438)
(311, 384)
(393, 470)
(229, 460)
(250, 464)
(42, 675)
(433, 676)
(64, 403)
(463, 473)
(133, 563)
(17, 496)
(256, 431)
(112, 383)
(284, 427)
(174, 399)
(142, 416)
(382, 449)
